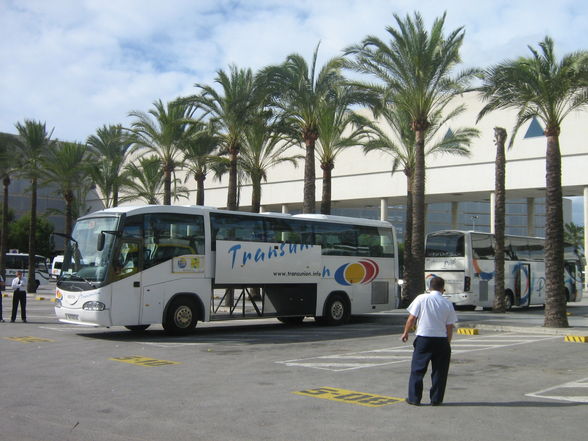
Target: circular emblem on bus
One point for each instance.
(361, 272)
(182, 263)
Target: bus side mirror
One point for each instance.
(101, 240)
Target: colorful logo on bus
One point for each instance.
(360, 272)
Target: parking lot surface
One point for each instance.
(262, 380)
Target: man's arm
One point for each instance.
(449, 332)
(410, 321)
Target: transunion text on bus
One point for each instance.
(261, 254)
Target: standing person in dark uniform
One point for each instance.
(1, 289)
(20, 296)
(436, 318)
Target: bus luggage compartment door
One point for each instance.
(292, 299)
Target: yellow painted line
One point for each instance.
(576, 338)
(29, 339)
(468, 331)
(349, 396)
(144, 361)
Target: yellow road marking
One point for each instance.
(29, 339)
(468, 331)
(576, 338)
(350, 396)
(144, 361)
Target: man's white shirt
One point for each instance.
(434, 313)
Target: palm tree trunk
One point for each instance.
(232, 190)
(200, 188)
(4, 238)
(309, 204)
(31, 285)
(499, 218)
(326, 198)
(555, 301)
(69, 198)
(256, 194)
(416, 280)
(167, 184)
(407, 235)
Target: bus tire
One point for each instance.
(337, 310)
(508, 300)
(181, 316)
(137, 328)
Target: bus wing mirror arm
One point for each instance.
(102, 238)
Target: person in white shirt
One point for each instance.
(435, 318)
(19, 284)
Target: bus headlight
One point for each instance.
(94, 306)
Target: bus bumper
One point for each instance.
(79, 316)
(460, 298)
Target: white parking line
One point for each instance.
(579, 387)
(401, 354)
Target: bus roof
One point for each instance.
(199, 209)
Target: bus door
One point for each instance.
(523, 284)
(126, 288)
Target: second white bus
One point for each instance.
(465, 259)
(170, 265)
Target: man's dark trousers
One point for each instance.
(19, 296)
(438, 351)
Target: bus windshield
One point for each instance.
(445, 245)
(83, 260)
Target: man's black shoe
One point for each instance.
(412, 403)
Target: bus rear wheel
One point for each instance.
(508, 301)
(181, 316)
(336, 312)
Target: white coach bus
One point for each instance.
(20, 262)
(465, 259)
(171, 265)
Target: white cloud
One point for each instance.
(80, 64)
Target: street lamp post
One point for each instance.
(474, 222)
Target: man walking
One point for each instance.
(436, 318)
(19, 296)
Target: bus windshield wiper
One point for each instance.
(83, 279)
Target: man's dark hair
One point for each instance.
(437, 284)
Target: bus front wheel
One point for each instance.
(181, 317)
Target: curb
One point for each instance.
(523, 329)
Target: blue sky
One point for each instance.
(79, 64)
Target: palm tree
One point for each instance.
(301, 93)
(499, 218)
(416, 68)
(574, 235)
(263, 148)
(6, 169)
(112, 144)
(339, 128)
(147, 181)
(163, 131)
(230, 111)
(30, 149)
(541, 86)
(66, 166)
(401, 146)
(198, 157)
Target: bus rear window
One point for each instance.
(445, 245)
